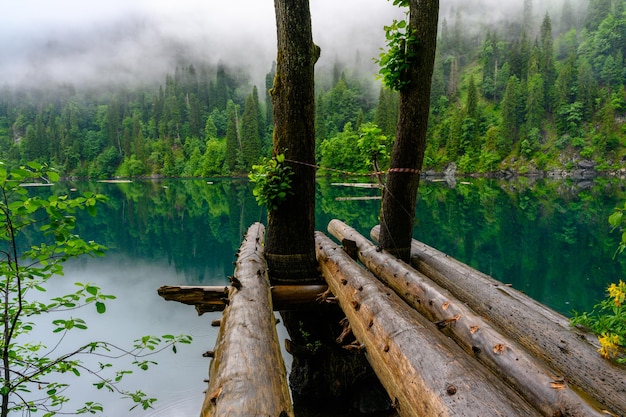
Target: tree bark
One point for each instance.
(423, 371)
(400, 192)
(532, 379)
(290, 247)
(247, 375)
(545, 333)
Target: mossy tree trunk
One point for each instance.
(290, 245)
(399, 197)
(323, 373)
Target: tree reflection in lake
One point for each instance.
(550, 239)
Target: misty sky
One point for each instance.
(140, 40)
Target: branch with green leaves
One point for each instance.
(272, 181)
(398, 57)
(28, 368)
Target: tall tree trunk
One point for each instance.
(400, 194)
(290, 245)
(322, 372)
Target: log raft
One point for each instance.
(443, 338)
(423, 371)
(541, 331)
(247, 375)
(532, 379)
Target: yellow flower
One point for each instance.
(618, 292)
(609, 345)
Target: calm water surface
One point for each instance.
(549, 239)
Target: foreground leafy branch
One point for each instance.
(29, 371)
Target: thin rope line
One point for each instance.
(390, 170)
(383, 187)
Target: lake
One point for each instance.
(550, 239)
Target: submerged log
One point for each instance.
(539, 329)
(213, 298)
(424, 372)
(532, 379)
(247, 375)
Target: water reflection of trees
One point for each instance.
(194, 225)
(550, 239)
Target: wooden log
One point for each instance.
(247, 375)
(424, 372)
(540, 330)
(214, 298)
(532, 379)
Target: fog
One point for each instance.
(115, 41)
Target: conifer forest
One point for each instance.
(526, 94)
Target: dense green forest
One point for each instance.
(535, 93)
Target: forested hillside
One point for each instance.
(532, 92)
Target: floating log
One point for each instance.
(357, 184)
(423, 371)
(214, 298)
(543, 332)
(247, 375)
(532, 379)
(363, 198)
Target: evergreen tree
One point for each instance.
(195, 116)
(269, 83)
(114, 125)
(527, 22)
(386, 116)
(453, 79)
(566, 82)
(233, 141)
(586, 89)
(489, 63)
(597, 11)
(568, 19)
(510, 107)
(471, 104)
(546, 63)
(210, 130)
(535, 102)
(221, 95)
(250, 139)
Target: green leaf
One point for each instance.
(615, 219)
(92, 290)
(35, 165)
(53, 176)
(100, 307)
